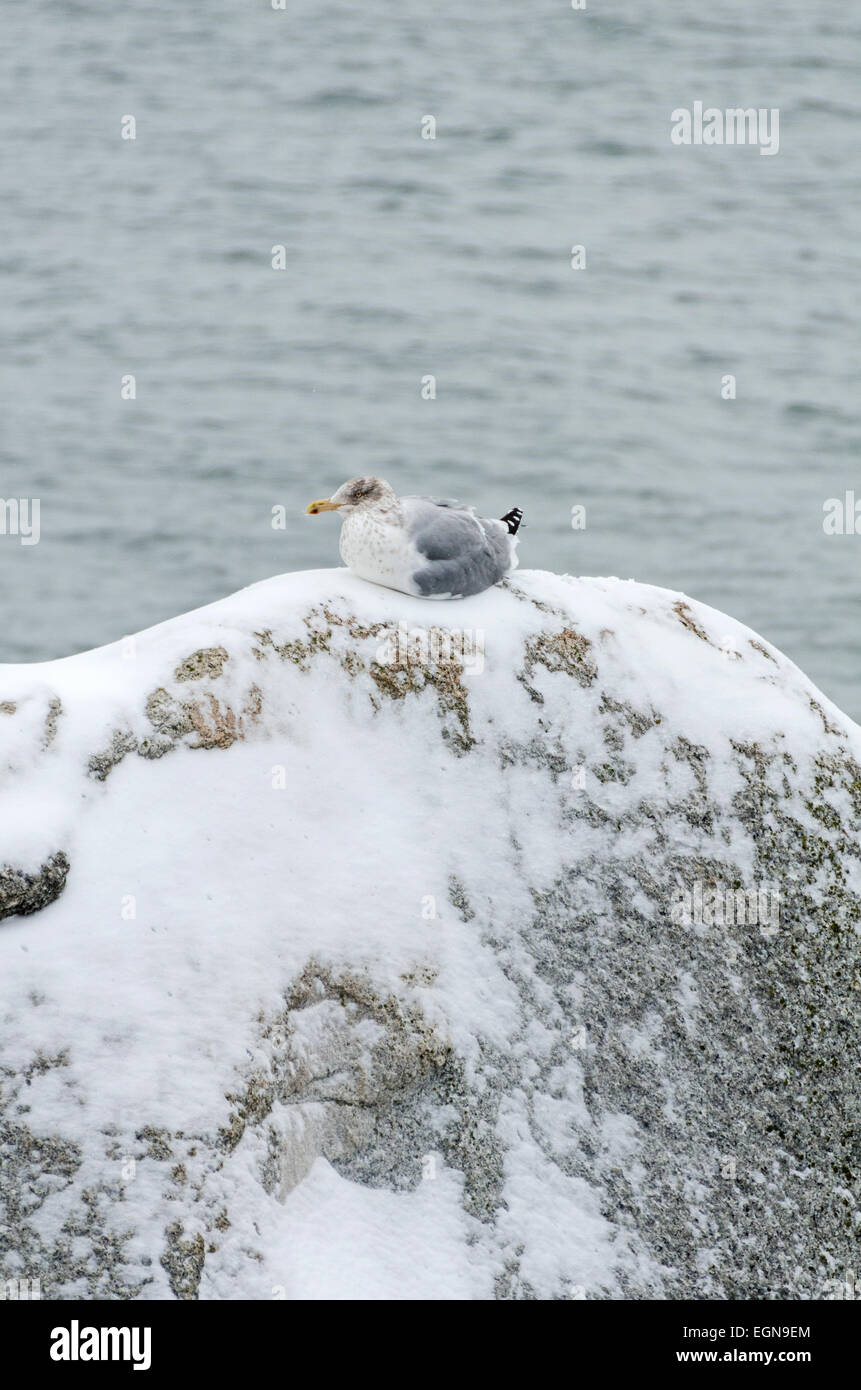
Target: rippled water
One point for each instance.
(407, 257)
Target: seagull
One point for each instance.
(417, 545)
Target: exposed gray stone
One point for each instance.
(22, 893)
(101, 764)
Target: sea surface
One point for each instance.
(406, 258)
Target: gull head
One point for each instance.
(358, 492)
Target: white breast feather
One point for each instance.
(376, 550)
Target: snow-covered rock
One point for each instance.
(344, 956)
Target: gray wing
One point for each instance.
(459, 553)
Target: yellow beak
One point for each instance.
(324, 505)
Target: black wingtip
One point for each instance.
(512, 520)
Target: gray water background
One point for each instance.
(256, 387)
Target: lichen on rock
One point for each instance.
(208, 662)
(22, 892)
